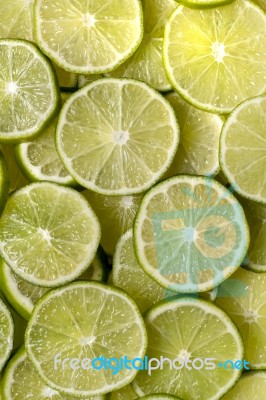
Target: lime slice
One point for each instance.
(48, 233)
(39, 159)
(215, 58)
(83, 80)
(125, 393)
(4, 182)
(21, 381)
(190, 233)
(117, 150)
(116, 215)
(66, 80)
(17, 179)
(204, 3)
(16, 19)
(99, 268)
(146, 63)
(195, 332)
(28, 91)
(160, 397)
(243, 298)
(6, 333)
(198, 149)
(243, 149)
(89, 36)
(251, 385)
(84, 320)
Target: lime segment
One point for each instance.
(251, 385)
(16, 19)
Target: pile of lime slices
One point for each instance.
(132, 199)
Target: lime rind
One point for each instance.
(4, 182)
(6, 333)
(202, 4)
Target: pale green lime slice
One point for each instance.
(160, 397)
(198, 333)
(66, 80)
(251, 385)
(243, 149)
(202, 4)
(28, 90)
(243, 298)
(6, 333)
(16, 177)
(117, 150)
(16, 19)
(4, 182)
(39, 159)
(216, 58)
(125, 393)
(84, 320)
(89, 36)
(49, 234)
(116, 215)
(146, 64)
(190, 233)
(83, 80)
(198, 149)
(20, 381)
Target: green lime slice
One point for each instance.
(190, 233)
(6, 333)
(28, 91)
(198, 149)
(88, 37)
(251, 385)
(83, 80)
(146, 63)
(16, 19)
(118, 150)
(49, 234)
(66, 80)
(160, 397)
(193, 337)
(243, 148)
(39, 159)
(4, 182)
(125, 393)
(84, 320)
(116, 215)
(216, 58)
(202, 4)
(243, 298)
(20, 381)
(16, 177)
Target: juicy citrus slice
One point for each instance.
(84, 320)
(190, 334)
(16, 19)
(48, 233)
(204, 3)
(215, 58)
(146, 63)
(251, 385)
(243, 298)
(243, 149)
(16, 177)
(4, 182)
(125, 393)
(198, 149)
(88, 37)
(6, 333)
(117, 150)
(190, 233)
(160, 397)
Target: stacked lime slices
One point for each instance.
(6, 333)
(4, 182)
(251, 385)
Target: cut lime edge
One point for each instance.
(59, 291)
(201, 4)
(4, 182)
(4, 308)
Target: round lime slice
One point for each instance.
(117, 150)
(16, 177)
(251, 385)
(48, 233)
(192, 337)
(16, 19)
(190, 233)
(6, 333)
(160, 397)
(88, 37)
(125, 393)
(216, 58)
(4, 182)
(80, 321)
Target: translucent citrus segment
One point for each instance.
(251, 385)
(84, 320)
(6, 333)
(243, 298)
(146, 64)
(243, 149)
(16, 177)
(215, 58)
(117, 136)
(4, 182)
(88, 37)
(125, 393)
(198, 333)
(198, 149)
(48, 233)
(28, 91)
(16, 19)
(190, 233)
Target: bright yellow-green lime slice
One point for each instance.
(6, 333)
(186, 332)
(117, 136)
(125, 393)
(16, 177)
(116, 215)
(84, 320)
(216, 57)
(48, 234)
(243, 298)
(89, 36)
(251, 385)
(198, 149)
(243, 149)
(190, 233)
(146, 64)
(202, 4)
(16, 19)
(4, 182)
(28, 90)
